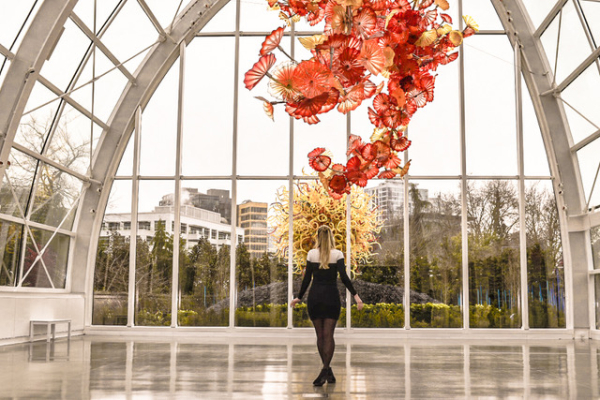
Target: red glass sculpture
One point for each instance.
(402, 40)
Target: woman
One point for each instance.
(323, 264)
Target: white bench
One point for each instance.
(50, 327)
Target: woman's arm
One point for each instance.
(341, 267)
(304, 286)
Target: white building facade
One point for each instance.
(196, 223)
(388, 197)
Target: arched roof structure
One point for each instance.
(528, 27)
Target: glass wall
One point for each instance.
(211, 146)
(435, 253)
(111, 279)
(240, 156)
(494, 257)
(545, 264)
(261, 268)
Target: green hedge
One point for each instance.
(381, 315)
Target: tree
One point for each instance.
(159, 270)
(40, 192)
(112, 264)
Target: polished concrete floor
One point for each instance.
(101, 367)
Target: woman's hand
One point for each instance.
(359, 303)
(294, 302)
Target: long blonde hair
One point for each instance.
(325, 243)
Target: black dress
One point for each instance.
(324, 297)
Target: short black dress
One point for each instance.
(324, 297)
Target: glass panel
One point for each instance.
(45, 263)
(494, 269)
(312, 207)
(85, 11)
(256, 17)
(223, 21)
(130, 32)
(535, 159)
(69, 144)
(204, 261)
(56, 197)
(591, 10)
(380, 278)
(35, 126)
(582, 94)
(257, 134)
(164, 11)
(261, 272)
(573, 43)
(539, 9)
(491, 147)
(545, 266)
(11, 238)
(18, 178)
(66, 57)
(111, 275)
(435, 130)
(483, 12)
(107, 89)
(435, 254)
(589, 165)
(14, 14)
(595, 239)
(154, 257)
(207, 117)
(159, 127)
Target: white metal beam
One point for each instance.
(6, 52)
(87, 31)
(580, 145)
(549, 18)
(579, 70)
(53, 163)
(232, 265)
(54, 89)
(563, 165)
(37, 225)
(464, 229)
(152, 18)
(177, 195)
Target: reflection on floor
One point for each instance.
(283, 368)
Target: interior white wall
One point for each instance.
(17, 309)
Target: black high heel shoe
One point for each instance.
(330, 376)
(322, 378)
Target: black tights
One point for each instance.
(325, 342)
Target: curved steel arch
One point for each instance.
(114, 141)
(563, 161)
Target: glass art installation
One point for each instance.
(312, 207)
(402, 41)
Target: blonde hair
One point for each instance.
(325, 243)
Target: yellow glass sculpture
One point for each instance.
(312, 207)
